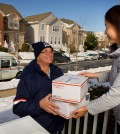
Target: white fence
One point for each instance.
(85, 125)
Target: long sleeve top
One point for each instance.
(112, 98)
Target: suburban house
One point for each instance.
(44, 27)
(72, 35)
(11, 27)
(102, 40)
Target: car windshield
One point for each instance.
(63, 55)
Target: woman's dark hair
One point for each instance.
(113, 17)
(113, 47)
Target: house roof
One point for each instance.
(54, 20)
(37, 17)
(67, 21)
(71, 23)
(8, 9)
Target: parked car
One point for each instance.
(103, 56)
(60, 58)
(9, 66)
(91, 56)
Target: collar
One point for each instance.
(49, 72)
(115, 54)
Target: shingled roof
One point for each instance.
(67, 21)
(37, 17)
(8, 9)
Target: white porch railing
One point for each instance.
(85, 125)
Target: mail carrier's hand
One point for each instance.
(48, 106)
(79, 112)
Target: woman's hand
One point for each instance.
(88, 74)
(79, 112)
(48, 106)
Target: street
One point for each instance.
(84, 65)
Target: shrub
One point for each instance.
(3, 49)
(25, 47)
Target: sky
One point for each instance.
(89, 14)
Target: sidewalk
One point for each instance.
(7, 93)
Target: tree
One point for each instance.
(72, 48)
(91, 41)
(25, 47)
(3, 49)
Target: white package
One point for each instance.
(66, 108)
(70, 88)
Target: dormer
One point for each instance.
(13, 21)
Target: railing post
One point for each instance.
(105, 122)
(95, 124)
(77, 126)
(85, 124)
(70, 126)
(94, 129)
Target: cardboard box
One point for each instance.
(70, 88)
(66, 108)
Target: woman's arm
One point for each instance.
(103, 103)
(101, 76)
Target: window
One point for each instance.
(55, 40)
(42, 27)
(5, 63)
(59, 40)
(6, 38)
(63, 55)
(74, 32)
(11, 24)
(16, 36)
(55, 28)
(14, 63)
(16, 23)
(42, 38)
(51, 40)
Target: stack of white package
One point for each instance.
(70, 92)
